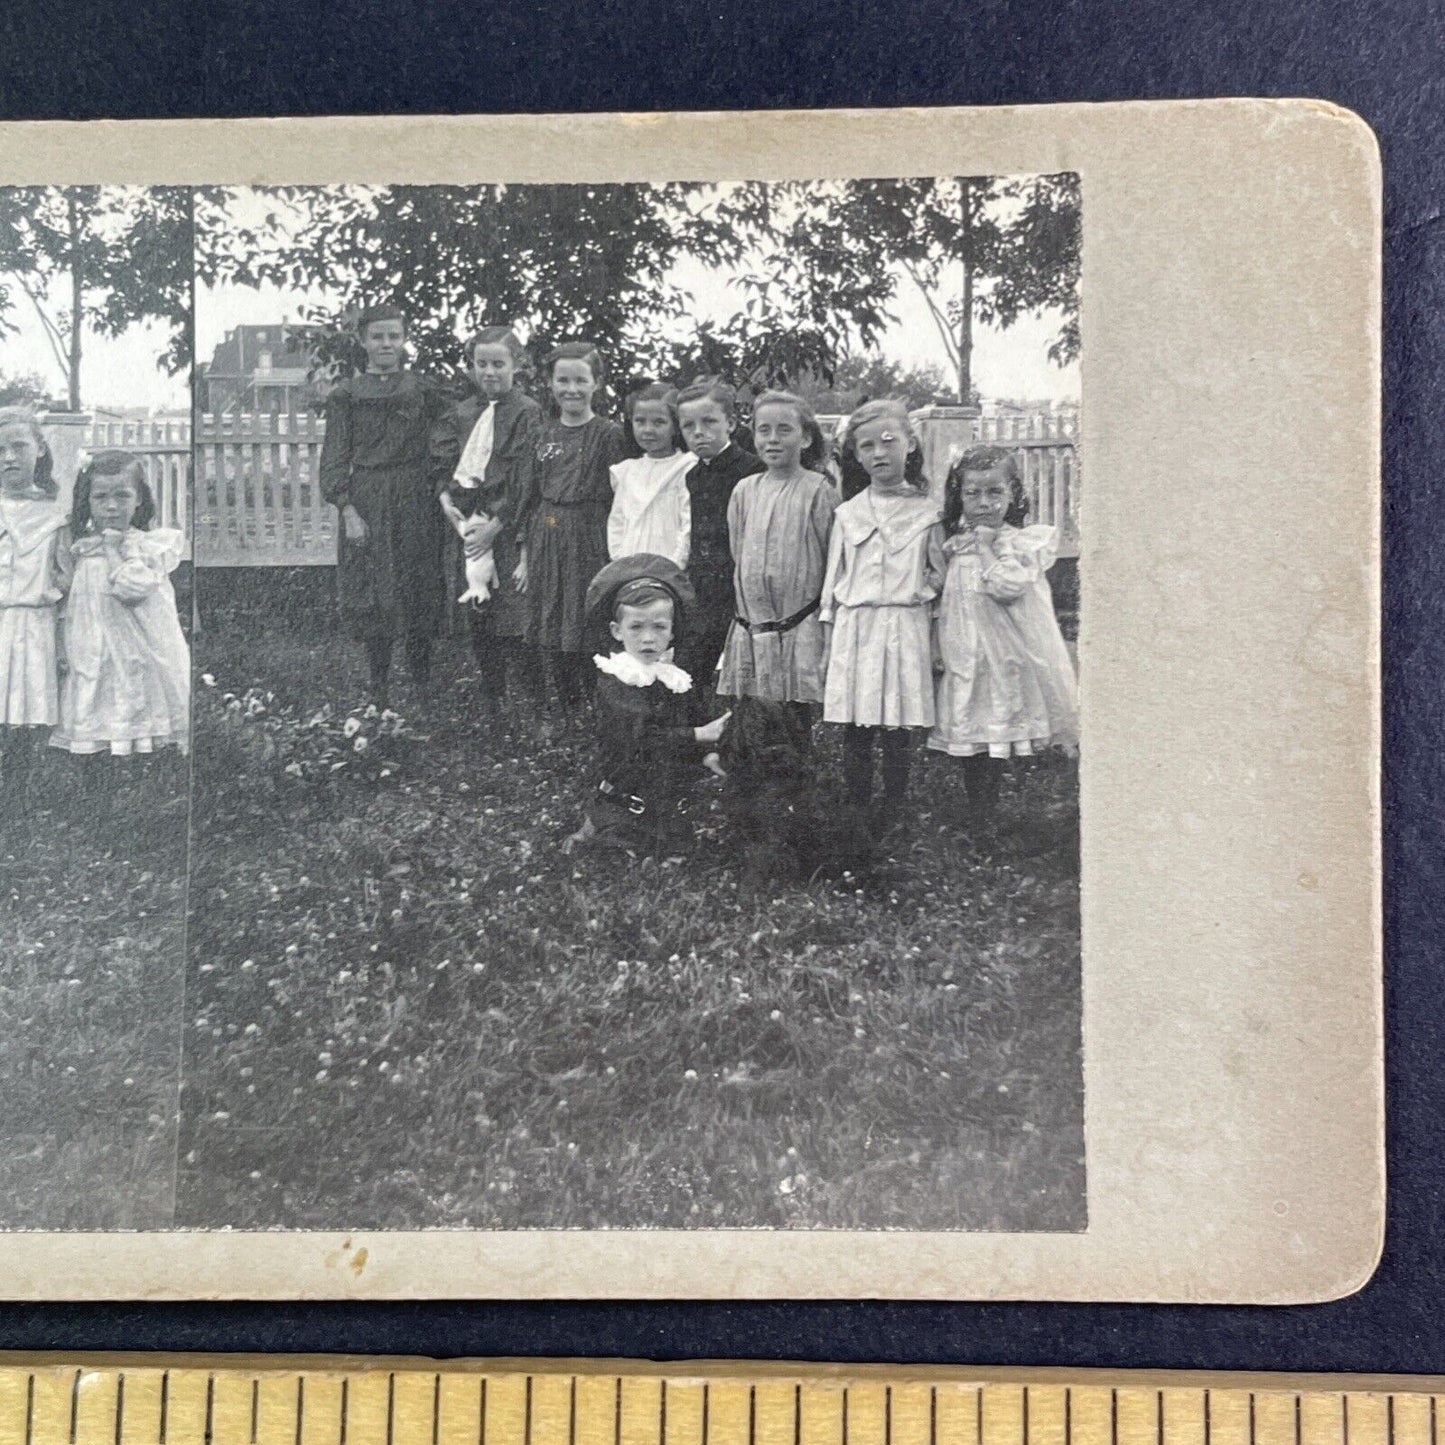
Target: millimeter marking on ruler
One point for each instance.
(57, 1401)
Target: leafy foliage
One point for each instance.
(816, 269)
(367, 744)
(558, 261)
(861, 378)
(844, 249)
(22, 388)
(122, 255)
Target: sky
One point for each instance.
(114, 371)
(122, 371)
(1012, 363)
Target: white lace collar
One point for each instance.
(636, 673)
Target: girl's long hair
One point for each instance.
(652, 391)
(44, 459)
(984, 459)
(855, 475)
(111, 464)
(815, 450)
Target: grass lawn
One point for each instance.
(92, 915)
(405, 1008)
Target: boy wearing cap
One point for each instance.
(645, 708)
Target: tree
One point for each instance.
(557, 261)
(104, 257)
(816, 268)
(1013, 243)
(861, 378)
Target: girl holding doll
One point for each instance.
(127, 685)
(651, 509)
(34, 575)
(1006, 685)
(376, 470)
(482, 450)
(885, 568)
(778, 526)
(569, 498)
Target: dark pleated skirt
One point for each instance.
(391, 585)
(566, 548)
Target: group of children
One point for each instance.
(899, 617)
(717, 577)
(720, 580)
(92, 654)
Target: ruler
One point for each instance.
(276, 1400)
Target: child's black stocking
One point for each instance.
(983, 776)
(858, 763)
(570, 671)
(490, 654)
(378, 662)
(802, 716)
(523, 667)
(418, 661)
(897, 763)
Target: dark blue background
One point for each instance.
(256, 57)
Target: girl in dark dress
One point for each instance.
(569, 498)
(706, 413)
(375, 469)
(482, 480)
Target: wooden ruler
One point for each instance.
(276, 1400)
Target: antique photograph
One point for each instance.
(95, 676)
(636, 708)
(692, 707)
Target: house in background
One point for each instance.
(1003, 409)
(121, 426)
(263, 370)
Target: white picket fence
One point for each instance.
(1046, 446)
(258, 494)
(163, 447)
(258, 500)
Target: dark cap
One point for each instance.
(640, 567)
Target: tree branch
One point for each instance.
(940, 320)
(52, 333)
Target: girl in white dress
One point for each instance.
(34, 573)
(885, 568)
(128, 686)
(1006, 685)
(651, 507)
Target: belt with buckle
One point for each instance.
(786, 625)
